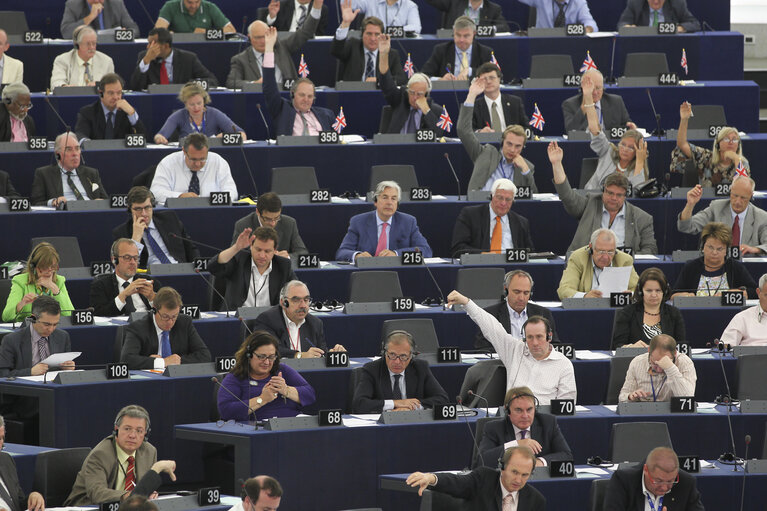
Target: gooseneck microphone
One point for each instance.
(487, 403)
(173, 234)
(247, 165)
(148, 16)
(263, 119)
(251, 411)
(611, 79)
(743, 483)
(471, 432)
(727, 458)
(211, 286)
(457, 181)
(449, 68)
(245, 324)
(659, 132)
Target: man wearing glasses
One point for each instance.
(268, 213)
(300, 334)
(658, 484)
(121, 293)
(632, 226)
(397, 381)
(16, 125)
(163, 338)
(158, 235)
(660, 375)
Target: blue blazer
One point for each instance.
(282, 111)
(362, 236)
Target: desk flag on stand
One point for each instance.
(303, 69)
(444, 120)
(536, 120)
(588, 63)
(684, 61)
(408, 67)
(340, 121)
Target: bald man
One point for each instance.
(611, 110)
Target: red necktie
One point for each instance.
(164, 74)
(736, 232)
(130, 474)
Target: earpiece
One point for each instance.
(58, 156)
(286, 303)
(32, 318)
(538, 319)
(7, 101)
(398, 332)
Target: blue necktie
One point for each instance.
(101, 20)
(109, 132)
(194, 183)
(166, 352)
(156, 250)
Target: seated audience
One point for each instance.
(16, 125)
(111, 116)
(481, 12)
(163, 338)
(10, 478)
(558, 13)
(489, 162)
(497, 111)
(54, 185)
(648, 13)
(382, 387)
(291, 15)
(714, 165)
(649, 314)
(580, 279)
(714, 271)
(83, 65)
(746, 328)
(39, 279)
(269, 213)
(163, 64)
(394, 13)
(195, 117)
(98, 14)
(611, 111)
(13, 69)
(459, 59)
(632, 226)
(263, 387)
(662, 374)
(192, 16)
(383, 232)
(261, 493)
(6, 187)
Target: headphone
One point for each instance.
(298, 82)
(639, 293)
(136, 410)
(720, 137)
(7, 101)
(597, 461)
(507, 403)
(537, 319)
(514, 273)
(32, 318)
(152, 202)
(100, 85)
(77, 37)
(251, 349)
(404, 333)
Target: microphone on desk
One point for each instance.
(149, 17)
(449, 68)
(190, 240)
(442, 302)
(727, 458)
(611, 79)
(659, 131)
(487, 403)
(250, 171)
(67, 127)
(471, 432)
(457, 181)
(251, 411)
(743, 484)
(211, 286)
(666, 194)
(245, 324)
(263, 119)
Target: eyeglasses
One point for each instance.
(731, 140)
(402, 358)
(715, 250)
(605, 252)
(129, 430)
(627, 147)
(167, 317)
(503, 199)
(270, 220)
(615, 195)
(140, 209)
(28, 106)
(661, 483)
(262, 357)
(417, 94)
(128, 258)
(300, 299)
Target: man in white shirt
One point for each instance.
(193, 172)
(11, 70)
(746, 328)
(531, 361)
(660, 375)
(83, 65)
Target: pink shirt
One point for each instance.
(314, 125)
(18, 130)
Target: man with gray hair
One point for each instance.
(82, 65)
(14, 496)
(746, 327)
(16, 125)
(585, 265)
(383, 232)
(660, 374)
(459, 59)
(491, 227)
(610, 108)
(748, 221)
(11, 70)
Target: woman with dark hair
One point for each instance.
(649, 314)
(258, 379)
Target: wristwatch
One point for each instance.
(298, 354)
(259, 400)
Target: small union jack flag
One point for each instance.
(588, 63)
(493, 59)
(340, 121)
(303, 69)
(684, 61)
(444, 120)
(537, 120)
(408, 67)
(741, 169)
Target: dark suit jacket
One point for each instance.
(312, 331)
(141, 341)
(351, 62)
(5, 124)
(47, 184)
(186, 67)
(397, 98)
(443, 55)
(544, 430)
(91, 123)
(285, 16)
(167, 223)
(287, 232)
(16, 351)
(489, 14)
(614, 113)
(362, 236)
(500, 311)
(104, 289)
(513, 112)
(737, 276)
(115, 15)
(624, 493)
(238, 277)
(374, 386)
(637, 12)
(628, 324)
(471, 233)
(481, 489)
(11, 479)
(282, 111)
(6, 187)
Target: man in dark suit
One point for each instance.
(383, 232)
(492, 228)
(524, 426)
(667, 487)
(497, 110)
(17, 358)
(158, 234)
(99, 14)
(253, 279)
(517, 289)
(165, 337)
(54, 185)
(247, 66)
(121, 293)
(611, 110)
(111, 117)
(9, 478)
(292, 15)
(382, 387)
(162, 63)
(16, 125)
(268, 213)
(300, 334)
(358, 58)
(642, 13)
(6, 186)
(485, 489)
(482, 12)
(458, 60)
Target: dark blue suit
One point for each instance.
(282, 111)
(362, 235)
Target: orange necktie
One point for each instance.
(495, 241)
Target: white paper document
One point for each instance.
(59, 358)
(614, 279)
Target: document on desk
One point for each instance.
(614, 279)
(59, 358)
(358, 420)
(591, 355)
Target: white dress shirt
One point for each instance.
(746, 328)
(499, 106)
(172, 177)
(516, 320)
(294, 331)
(68, 69)
(258, 290)
(138, 303)
(159, 362)
(618, 226)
